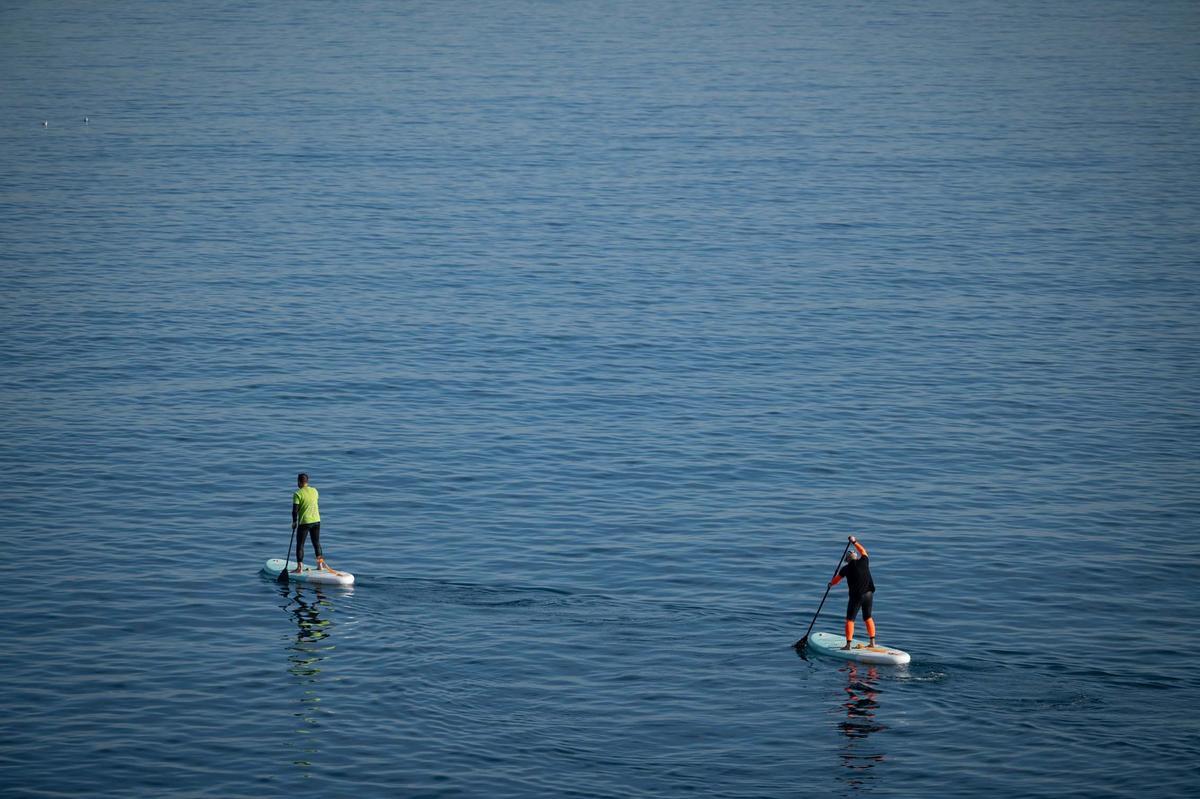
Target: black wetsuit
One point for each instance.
(857, 574)
(302, 530)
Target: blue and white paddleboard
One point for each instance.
(308, 574)
(831, 644)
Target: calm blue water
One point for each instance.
(599, 326)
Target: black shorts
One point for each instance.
(305, 531)
(863, 601)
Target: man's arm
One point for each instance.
(837, 578)
(295, 514)
(861, 549)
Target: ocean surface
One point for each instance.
(599, 326)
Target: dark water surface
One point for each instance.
(599, 326)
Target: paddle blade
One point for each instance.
(800, 645)
(282, 578)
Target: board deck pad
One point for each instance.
(831, 644)
(308, 575)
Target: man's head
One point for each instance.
(302, 479)
(852, 555)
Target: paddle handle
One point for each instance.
(826, 596)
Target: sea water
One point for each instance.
(599, 326)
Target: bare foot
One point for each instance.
(297, 570)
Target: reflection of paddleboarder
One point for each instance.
(305, 657)
(857, 572)
(859, 756)
(862, 694)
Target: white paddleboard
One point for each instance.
(309, 574)
(831, 644)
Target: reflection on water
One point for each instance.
(859, 754)
(311, 608)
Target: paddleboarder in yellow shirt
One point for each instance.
(306, 521)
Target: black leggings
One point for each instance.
(863, 601)
(314, 530)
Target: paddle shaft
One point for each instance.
(283, 578)
(827, 587)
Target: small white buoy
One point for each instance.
(86, 120)
(45, 124)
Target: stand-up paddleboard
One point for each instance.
(831, 644)
(309, 575)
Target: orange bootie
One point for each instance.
(849, 633)
(871, 628)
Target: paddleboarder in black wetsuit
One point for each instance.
(857, 572)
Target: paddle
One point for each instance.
(803, 642)
(283, 578)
